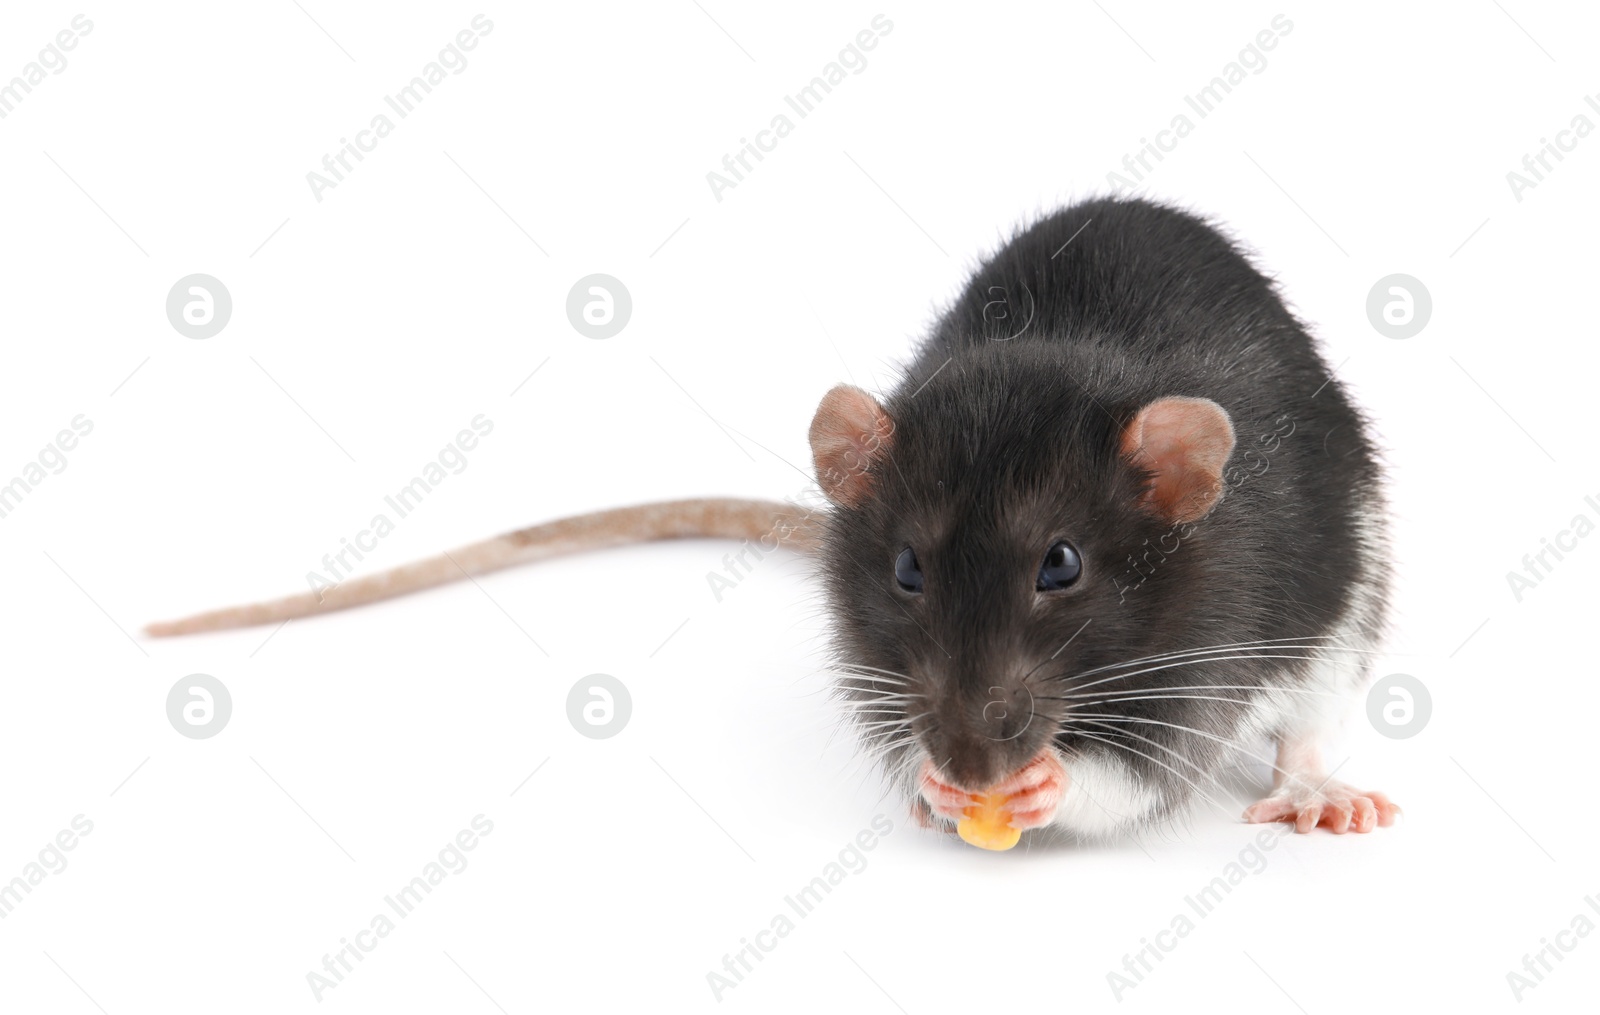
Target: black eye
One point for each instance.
(1061, 568)
(907, 572)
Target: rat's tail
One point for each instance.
(770, 522)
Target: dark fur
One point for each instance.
(1005, 440)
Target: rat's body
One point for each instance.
(1117, 520)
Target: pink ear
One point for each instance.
(1184, 443)
(849, 435)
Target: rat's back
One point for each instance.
(1154, 283)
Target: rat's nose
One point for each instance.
(971, 763)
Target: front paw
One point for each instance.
(937, 798)
(1032, 793)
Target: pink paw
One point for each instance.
(1335, 806)
(1033, 791)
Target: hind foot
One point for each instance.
(1336, 806)
(1304, 794)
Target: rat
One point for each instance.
(1116, 522)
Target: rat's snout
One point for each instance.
(971, 764)
(978, 736)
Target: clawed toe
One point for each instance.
(1333, 805)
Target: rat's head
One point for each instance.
(980, 552)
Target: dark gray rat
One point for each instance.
(1117, 521)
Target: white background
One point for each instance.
(373, 325)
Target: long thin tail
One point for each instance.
(771, 522)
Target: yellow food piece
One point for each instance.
(987, 825)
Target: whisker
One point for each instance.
(1186, 662)
(867, 714)
(1162, 656)
(878, 757)
(1230, 742)
(1190, 658)
(847, 693)
(1177, 754)
(879, 726)
(895, 731)
(844, 689)
(1203, 794)
(875, 670)
(1207, 687)
(1162, 697)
